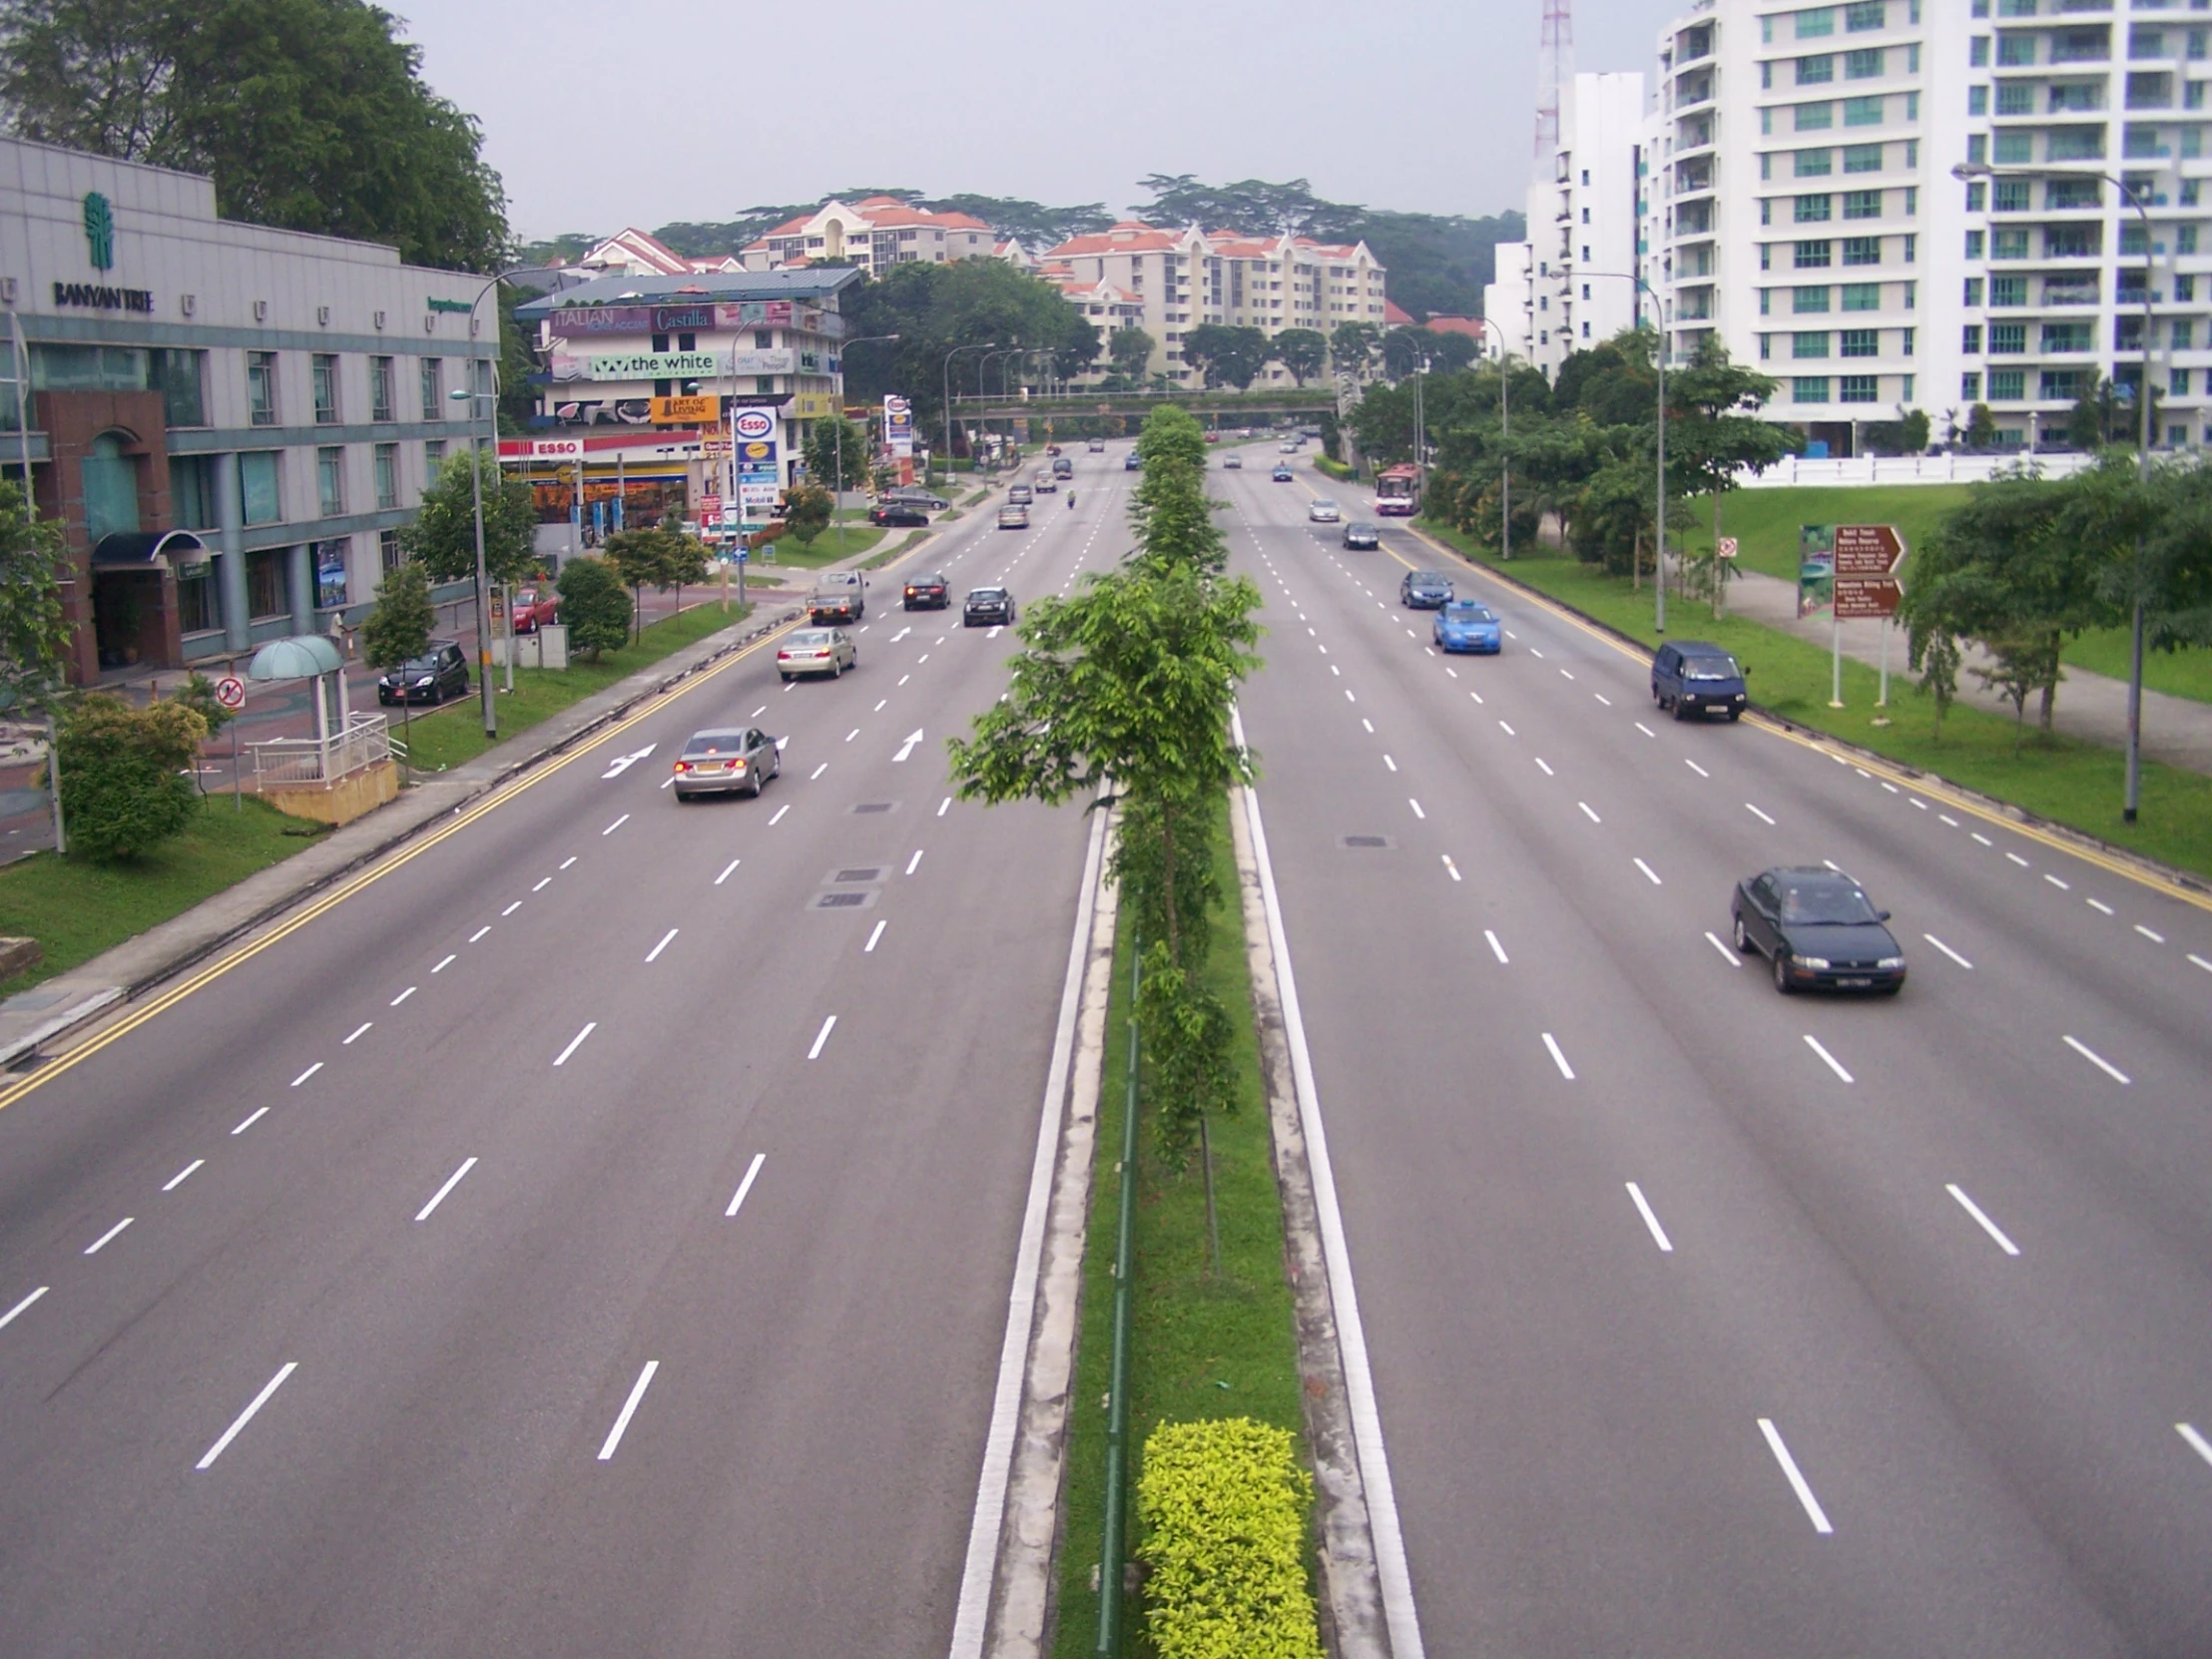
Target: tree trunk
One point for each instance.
(1720, 567)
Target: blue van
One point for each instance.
(1692, 677)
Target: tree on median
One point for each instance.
(443, 532)
(398, 629)
(594, 606)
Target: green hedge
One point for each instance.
(1223, 1505)
(1337, 470)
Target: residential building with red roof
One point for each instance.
(878, 232)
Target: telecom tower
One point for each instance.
(1554, 63)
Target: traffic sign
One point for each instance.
(229, 691)
(1728, 547)
(1867, 549)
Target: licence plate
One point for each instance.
(1855, 984)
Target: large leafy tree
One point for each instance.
(1716, 435)
(1303, 351)
(1131, 351)
(594, 606)
(310, 115)
(443, 533)
(35, 635)
(126, 773)
(836, 453)
(1230, 356)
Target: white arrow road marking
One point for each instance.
(907, 748)
(624, 763)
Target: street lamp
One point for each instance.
(987, 345)
(1659, 524)
(2134, 199)
(476, 494)
(836, 497)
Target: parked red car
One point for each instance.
(533, 606)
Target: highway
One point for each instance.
(591, 1235)
(1706, 1321)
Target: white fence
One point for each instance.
(1796, 470)
(364, 741)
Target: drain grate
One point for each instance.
(1364, 840)
(843, 900)
(873, 807)
(871, 872)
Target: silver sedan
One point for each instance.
(827, 651)
(730, 760)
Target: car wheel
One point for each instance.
(1735, 713)
(787, 679)
(1680, 713)
(1743, 940)
(1892, 991)
(759, 782)
(1782, 970)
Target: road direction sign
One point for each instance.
(1867, 550)
(229, 691)
(1860, 597)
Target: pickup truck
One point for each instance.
(839, 596)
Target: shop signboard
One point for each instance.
(898, 425)
(754, 314)
(756, 500)
(753, 426)
(556, 449)
(762, 362)
(651, 365)
(685, 411)
(811, 405)
(579, 322)
(756, 458)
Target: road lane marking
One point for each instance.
(629, 1409)
(7, 1319)
(654, 954)
(1497, 949)
(1558, 1058)
(2054, 882)
(1349, 697)
(178, 1180)
(543, 883)
(1892, 788)
(2200, 962)
(1392, 764)
(1694, 766)
(245, 1416)
(2197, 1442)
(751, 1171)
(944, 805)
(850, 736)
(906, 748)
(1987, 1225)
(438, 1198)
(817, 772)
(1417, 812)
(1979, 837)
(727, 871)
(309, 1072)
(1369, 723)
(1947, 950)
(442, 967)
(1658, 1232)
(1451, 867)
(1589, 813)
(623, 762)
(94, 1248)
(776, 816)
(1734, 960)
(576, 1042)
(1647, 731)
(878, 708)
(2017, 860)
(821, 1037)
(479, 933)
(2099, 1061)
(1812, 1509)
(1917, 802)
(914, 862)
(359, 1031)
(1336, 670)
(251, 1118)
(1650, 873)
(1507, 729)
(903, 679)
(1835, 1065)
(1947, 818)
(1546, 766)
(1757, 814)
(876, 933)
(2156, 938)
(402, 997)
(2099, 904)
(617, 825)
(1602, 697)
(758, 713)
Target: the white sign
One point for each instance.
(755, 424)
(229, 691)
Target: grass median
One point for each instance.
(2070, 783)
(1201, 1345)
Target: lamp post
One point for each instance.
(836, 497)
(476, 496)
(1659, 524)
(987, 345)
(1506, 459)
(2132, 797)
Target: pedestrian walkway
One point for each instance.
(2090, 706)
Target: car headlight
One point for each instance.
(1809, 961)
(426, 680)
(1890, 964)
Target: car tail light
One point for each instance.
(683, 766)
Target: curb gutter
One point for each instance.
(2187, 884)
(130, 969)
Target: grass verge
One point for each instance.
(2067, 782)
(75, 908)
(840, 542)
(443, 737)
(1200, 1346)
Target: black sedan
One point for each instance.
(1425, 590)
(1359, 534)
(1818, 929)
(1282, 473)
(432, 678)
(985, 606)
(897, 513)
(927, 593)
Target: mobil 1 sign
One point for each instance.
(1867, 560)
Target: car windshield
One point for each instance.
(715, 742)
(1710, 668)
(1826, 904)
(1467, 611)
(1324, 504)
(1427, 579)
(810, 638)
(420, 665)
(987, 593)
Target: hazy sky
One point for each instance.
(602, 115)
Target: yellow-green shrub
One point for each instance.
(1224, 1509)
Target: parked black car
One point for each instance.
(1819, 929)
(1425, 590)
(429, 678)
(1692, 677)
(985, 606)
(927, 592)
(897, 514)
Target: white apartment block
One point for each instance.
(1181, 279)
(1803, 206)
(875, 234)
(1572, 284)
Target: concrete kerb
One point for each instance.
(2188, 886)
(127, 972)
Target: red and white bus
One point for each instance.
(1396, 492)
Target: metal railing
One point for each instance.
(364, 741)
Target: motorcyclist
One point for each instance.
(1071, 501)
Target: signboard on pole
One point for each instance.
(756, 500)
(1866, 558)
(1727, 547)
(1816, 569)
(710, 507)
(229, 691)
(754, 425)
(899, 426)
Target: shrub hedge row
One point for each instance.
(1339, 471)
(1224, 1505)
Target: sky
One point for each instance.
(599, 115)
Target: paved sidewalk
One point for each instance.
(2091, 707)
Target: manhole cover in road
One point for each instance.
(843, 900)
(873, 807)
(867, 872)
(1364, 840)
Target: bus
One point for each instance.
(1396, 492)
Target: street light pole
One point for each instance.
(837, 496)
(1659, 524)
(1506, 459)
(987, 345)
(476, 496)
(2132, 794)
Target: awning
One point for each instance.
(300, 657)
(147, 550)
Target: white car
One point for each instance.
(1322, 511)
(1289, 446)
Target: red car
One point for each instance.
(533, 606)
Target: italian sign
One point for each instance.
(1866, 559)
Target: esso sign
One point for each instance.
(755, 424)
(894, 404)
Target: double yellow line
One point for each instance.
(376, 872)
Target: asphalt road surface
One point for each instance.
(1707, 1320)
(589, 1237)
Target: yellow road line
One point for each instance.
(376, 872)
